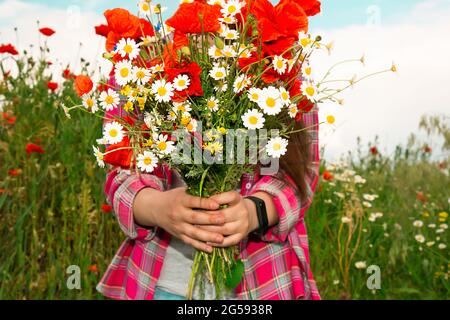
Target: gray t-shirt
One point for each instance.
(176, 272)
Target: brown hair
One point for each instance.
(297, 160)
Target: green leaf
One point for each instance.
(235, 275)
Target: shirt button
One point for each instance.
(248, 186)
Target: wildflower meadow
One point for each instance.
(378, 225)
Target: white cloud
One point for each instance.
(391, 105)
(73, 26)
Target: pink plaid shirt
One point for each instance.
(277, 267)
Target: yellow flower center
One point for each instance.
(218, 52)
(277, 147)
(308, 71)
(284, 96)
(128, 49)
(253, 120)
(305, 41)
(90, 103)
(113, 133)
(109, 100)
(162, 145)
(124, 72)
(181, 83)
(219, 74)
(280, 64)
(140, 74)
(148, 161)
(270, 102)
(310, 91)
(232, 9)
(255, 96)
(145, 7)
(162, 91)
(211, 104)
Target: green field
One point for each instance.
(51, 213)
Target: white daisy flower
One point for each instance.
(241, 82)
(253, 119)
(182, 107)
(310, 91)
(147, 161)
(216, 2)
(144, 8)
(99, 156)
(215, 52)
(280, 64)
(277, 147)
(228, 20)
(141, 76)
(229, 51)
(181, 82)
(213, 104)
(164, 147)
(285, 96)
(361, 265)
(442, 246)
(89, 103)
(245, 51)
(420, 238)
(218, 73)
(123, 72)
(102, 141)
(307, 71)
(158, 68)
(192, 126)
(293, 111)
(254, 94)
(231, 7)
(162, 90)
(270, 101)
(109, 100)
(304, 40)
(113, 132)
(221, 87)
(230, 34)
(128, 47)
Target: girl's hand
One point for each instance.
(177, 213)
(240, 219)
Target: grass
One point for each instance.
(51, 208)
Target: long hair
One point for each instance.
(297, 159)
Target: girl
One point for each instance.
(163, 225)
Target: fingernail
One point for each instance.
(219, 239)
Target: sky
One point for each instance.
(411, 33)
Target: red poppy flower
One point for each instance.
(53, 86)
(121, 24)
(193, 18)
(421, 197)
(2, 191)
(83, 85)
(374, 151)
(34, 148)
(145, 29)
(106, 208)
(328, 176)
(67, 74)
(193, 71)
(311, 7)
(47, 32)
(120, 158)
(8, 48)
(278, 26)
(102, 30)
(93, 268)
(9, 118)
(14, 172)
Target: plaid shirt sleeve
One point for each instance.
(284, 192)
(121, 188)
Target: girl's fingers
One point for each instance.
(204, 218)
(202, 235)
(200, 203)
(227, 242)
(230, 198)
(226, 230)
(229, 214)
(201, 246)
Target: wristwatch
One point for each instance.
(261, 212)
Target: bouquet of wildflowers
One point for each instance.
(213, 92)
